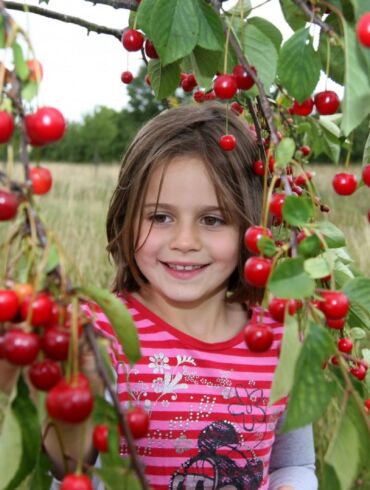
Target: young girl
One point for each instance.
(175, 228)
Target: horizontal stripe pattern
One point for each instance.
(208, 403)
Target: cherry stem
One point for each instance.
(136, 464)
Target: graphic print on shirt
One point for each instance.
(212, 470)
(224, 453)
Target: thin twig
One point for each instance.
(136, 464)
(315, 19)
(117, 4)
(90, 26)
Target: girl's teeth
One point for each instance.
(184, 267)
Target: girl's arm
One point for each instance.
(292, 465)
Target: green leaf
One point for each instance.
(164, 79)
(357, 333)
(53, 259)
(242, 8)
(41, 476)
(113, 476)
(266, 246)
(261, 53)
(366, 154)
(289, 352)
(10, 447)
(289, 280)
(297, 211)
(204, 65)
(30, 90)
(358, 292)
(344, 442)
(355, 103)
(333, 236)
(317, 267)
(144, 17)
(312, 391)
(336, 61)
(293, 14)
(104, 412)
(310, 247)
(329, 478)
(2, 33)
(120, 319)
(299, 65)
(268, 29)
(284, 152)
(174, 28)
(30, 433)
(20, 65)
(211, 33)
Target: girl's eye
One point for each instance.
(213, 221)
(159, 218)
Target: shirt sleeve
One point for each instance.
(293, 460)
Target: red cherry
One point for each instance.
(210, 95)
(227, 142)
(9, 304)
(302, 108)
(199, 96)
(359, 371)
(36, 71)
(345, 345)
(277, 308)
(225, 86)
(55, 343)
(258, 337)
(302, 179)
(367, 405)
(46, 125)
(21, 348)
(237, 108)
(138, 421)
(366, 175)
(8, 205)
(257, 271)
(335, 304)
(45, 374)
(363, 30)
(150, 50)
(327, 102)
(132, 40)
(335, 323)
(147, 79)
(334, 360)
(72, 401)
(271, 163)
(76, 482)
(6, 126)
(243, 80)
(344, 183)
(276, 205)
(187, 85)
(41, 179)
(127, 77)
(252, 235)
(41, 309)
(100, 438)
(259, 167)
(191, 79)
(306, 150)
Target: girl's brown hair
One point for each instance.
(186, 130)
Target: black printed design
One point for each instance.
(210, 470)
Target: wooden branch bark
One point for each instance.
(90, 26)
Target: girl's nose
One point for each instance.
(185, 238)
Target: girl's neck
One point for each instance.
(212, 320)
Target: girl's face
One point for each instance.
(186, 250)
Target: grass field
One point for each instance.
(76, 208)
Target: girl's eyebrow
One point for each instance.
(172, 207)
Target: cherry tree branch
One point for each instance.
(137, 466)
(90, 26)
(315, 19)
(117, 4)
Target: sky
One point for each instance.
(83, 71)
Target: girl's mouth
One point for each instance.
(184, 271)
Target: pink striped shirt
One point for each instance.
(210, 422)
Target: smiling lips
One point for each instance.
(183, 270)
